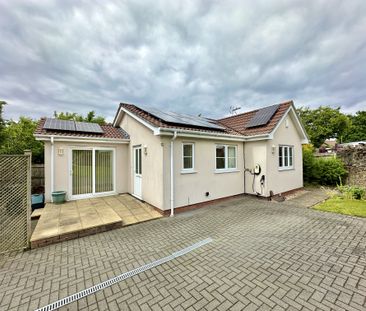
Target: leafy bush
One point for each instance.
(323, 171)
(19, 137)
(328, 171)
(352, 192)
(308, 163)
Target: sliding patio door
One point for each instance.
(82, 172)
(103, 171)
(92, 172)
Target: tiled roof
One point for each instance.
(162, 124)
(234, 125)
(109, 131)
(239, 122)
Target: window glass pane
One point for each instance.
(290, 153)
(220, 163)
(103, 170)
(232, 162)
(187, 150)
(140, 161)
(136, 162)
(280, 153)
(286, 155)
(187, 162)
(231, 152)
(82, 171)
(220, 151)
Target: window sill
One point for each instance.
(188, 172)
(286, 169)
(226, 171)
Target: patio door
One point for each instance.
(92, 172)
(137, 172)
(82, 172)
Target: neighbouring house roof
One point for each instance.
(109, 131)
(353, 144)
(330, 143)
(233, 125)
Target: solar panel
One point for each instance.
(72, 126)
(183, 119)
(88, 127)
(62, 125)
(263, 116)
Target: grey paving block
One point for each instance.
(265, 256)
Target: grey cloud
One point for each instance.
(196, 56)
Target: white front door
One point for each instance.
(137, 172)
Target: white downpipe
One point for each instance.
(52, 166)
(172, 174)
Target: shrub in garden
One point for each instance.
(324, 171)
(352, 192)
(308, 163)
(328, 171)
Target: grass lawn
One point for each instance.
(343, 206)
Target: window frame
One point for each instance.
(188, 170)
(281, 154)
(226, 157)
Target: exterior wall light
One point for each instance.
(273, 149)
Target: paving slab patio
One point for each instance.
(307, 197)
(60, 222)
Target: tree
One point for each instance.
(357, 130)
(19, 137)
(323, 123)
(2, 124)
(90, 117)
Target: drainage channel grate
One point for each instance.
(121, 277)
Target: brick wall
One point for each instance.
(355, 160)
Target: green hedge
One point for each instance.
(323, 171)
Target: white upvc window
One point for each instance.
(187, 156)
(226, 157)
(285, 157)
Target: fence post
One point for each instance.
(28, 153)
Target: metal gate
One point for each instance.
(15, 202)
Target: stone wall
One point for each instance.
(355, 160)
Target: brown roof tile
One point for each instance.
(239, 122)
(234, 125)
(109, 131)
(161, 123)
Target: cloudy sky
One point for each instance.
(185, 56)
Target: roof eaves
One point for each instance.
(215, 135)
(117, 114)
(76, 138)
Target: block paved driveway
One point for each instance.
(265, 256)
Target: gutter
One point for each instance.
(52, 166)
(172, 174)
(197, 134)
(244, 166)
